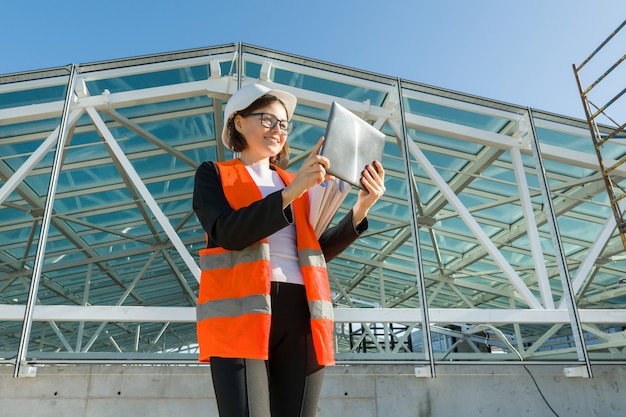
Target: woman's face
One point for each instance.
(263, 142)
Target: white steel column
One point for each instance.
(45, 225)
(411, 189)
(559, 253)
(531, 229)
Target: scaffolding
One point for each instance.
(602, 136)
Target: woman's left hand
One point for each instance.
(373, 179)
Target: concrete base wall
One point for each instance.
(349, 391)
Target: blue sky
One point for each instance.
(519, 52)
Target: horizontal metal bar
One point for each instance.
(137, 314)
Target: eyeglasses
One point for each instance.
(270, 121)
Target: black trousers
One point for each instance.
(288, 384)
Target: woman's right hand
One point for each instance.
(312, 172)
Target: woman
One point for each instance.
(264, 308)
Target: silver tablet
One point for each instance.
(350, 144)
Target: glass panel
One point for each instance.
(484, 239)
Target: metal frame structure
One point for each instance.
(495, 233)
(601, 141)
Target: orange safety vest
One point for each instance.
(234, 308)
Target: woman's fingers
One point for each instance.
(373, 179)
(375, 173)
(314, 158)
(317, 146)
(319, 163)
(311, 172)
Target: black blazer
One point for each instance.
(236, 229)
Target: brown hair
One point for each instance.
(238, 141)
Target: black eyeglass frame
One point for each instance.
(285, 126)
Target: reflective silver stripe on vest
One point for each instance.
(321, 310)
(229, 259)
(311, 257)
(234, 307)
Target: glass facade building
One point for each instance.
(495, 240)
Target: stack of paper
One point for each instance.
(325, 199)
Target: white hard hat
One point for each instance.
(246, 96)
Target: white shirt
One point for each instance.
(283, 244)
